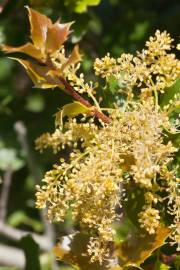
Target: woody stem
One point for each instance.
(83, 101)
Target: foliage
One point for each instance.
(133, 21)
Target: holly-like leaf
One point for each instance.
(170, 93)
(74, 58)
(40, 75)
(73, 252)
(39, 27)
(57, 34)
(28, 49)
(140, 247)
(47, 38)
(74, 109)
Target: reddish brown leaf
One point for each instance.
(75, 254)
(39, 27)
(74, 58)
(139, 247)
(57, 34)
(28, 49)
(40, 75)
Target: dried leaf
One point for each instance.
(57, 34)
(28, 49)
(39, 27)
(74, 109)
(140, 247)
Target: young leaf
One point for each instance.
(57, 34)
(140, 247)
(74, 109)
(73, 59)
(47, 38)
(39, 27)
(170, 93)
(82, 5)
(31, 250)
(40, 75)
(73, 254)
(28, 49)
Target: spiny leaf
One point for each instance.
(74, 58)
(28, 49)
(170, 93)
(39, 27)
(140, 246)
(74, 109)
(74, 254)
(57, 34)
(40, 75)
(47, 37)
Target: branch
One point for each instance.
(22, 136)
(83, 101)
(10, 256)
(15, 234)
(75, 95)
(5, 194)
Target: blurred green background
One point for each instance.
(114, 26)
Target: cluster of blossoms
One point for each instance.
(91, 182)
(154, 68)
(130, 150)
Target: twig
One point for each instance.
(15, 234)
(10, 256)
(5, 194)
(22, 136)
(70, 90)
(49, 235)
(83, 101)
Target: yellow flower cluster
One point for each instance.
(153, 69)
(104, 159)
(149, 219)
(90, 182)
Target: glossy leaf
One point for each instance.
(31, 250)
(40, 75)
(47, 37)
(39, 27)
(74, 58)
(57, 34)
(141, 246)
(82, 5)
(170, 93)
(74, 253)
(28, 49)
(74, 109)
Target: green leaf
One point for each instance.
(42, 76)
(9, 160)
(80, 6)
(31, 250)
(35, 103)
(113, 84)
(19, 217)
(74, 109)
(170, 93)
(73, 254)
(161, 266)
(140, 246)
